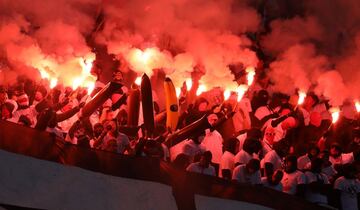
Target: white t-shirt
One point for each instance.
(191, 149)
(262, 112)
(241, 139)
(349, 189)
(279, 131)
(291, 181)
(29, 112)
(265, 183)
(243, 157)
(316, 197)
(227, 162)
(273, 158)
(213, 142)
(344, 158)
(240, 175)
(66, 124)
(266, 146)
(196, 168)
(303, 162)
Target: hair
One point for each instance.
(252, 145)
(207, 155)
(254, 133)
(254, 164)
(292, 159)
(230, 145)
(316, 165)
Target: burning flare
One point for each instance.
(76, 83)
(200, 90)
(188, 83)
(302, 96)
(335, 114)
(241, 90)
(138, 81)
(178, 91)
(53, 82)
(357, 106)
(250, 75)
(227, 94)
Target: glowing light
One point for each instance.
(188, 83)
(241, 90)
(90, 87)
(53, 82)
(335, 114)
(178, 91)
(44, 74)
(302, 96)
(227, 94)
(200, 90)
(138, 81)
(250, 75)
(88, 66)
(357, 106)
(76, 83)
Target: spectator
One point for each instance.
(293, 180)
(348, 188)
(227, 163)
(248, 173)
(203, 166)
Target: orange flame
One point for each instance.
(138, 81)
(357, 106)
(250, 75)
(53, 82)
(241, 90)
(302, 96)
(178, 91)
(76, 83)
(200, 90)
(227, 94)
(188, 83)
(335, 114)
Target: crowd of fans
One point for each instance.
(272, 141)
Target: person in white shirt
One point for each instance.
(193, 147)
(273, 180)
(123, 143)
(250, 149)
(227, 163)
(318, 183)
(282, 128)
(248, 173)
(213, 141)
(304, 160)
(253, 133)
(347, 189)
(339, 158)
(274, 158)
(294, 180)
(203, 166)
(268, 140)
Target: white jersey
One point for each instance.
(213, 142)
(316, 197)
(291, 181)
(349, 189)
(227, 162)
(243, 157)
(273, 158)
(240, 175)
(196, 168)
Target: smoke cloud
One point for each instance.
(184, 33)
